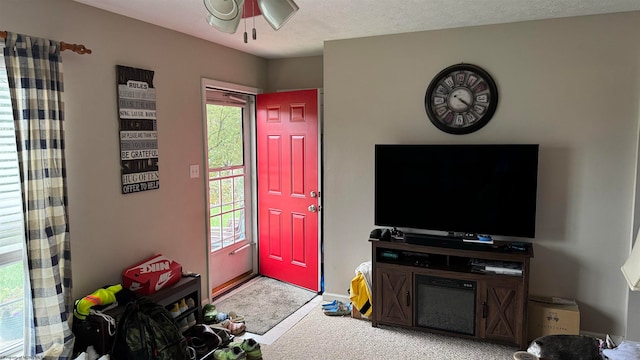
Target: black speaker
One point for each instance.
(380, 234)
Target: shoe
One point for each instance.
(191, 320)
(198, 345)
(175, 310)
(223, 333)
(209, 313)
(333, 307)
(250, 347)
(190, 303)
(234, 328)
(235, 317)
(234, 353)
(182, 306)
(334, 303)
(207, 335)
(340, 310)
(185, 306)
(221, 317)
(183, 325)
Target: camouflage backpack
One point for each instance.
(146, 330)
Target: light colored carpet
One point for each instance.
(318, 336)
(264, 302)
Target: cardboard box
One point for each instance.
(356, 314)
(151, 275)
(552, 315)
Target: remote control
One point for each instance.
(519, 246)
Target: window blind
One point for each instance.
(227, 98)
(11, 215)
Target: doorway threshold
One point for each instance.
(282, 327)
(231, 285)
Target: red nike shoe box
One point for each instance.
(151, 275)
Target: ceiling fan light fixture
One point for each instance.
(224, 15)
(277, 12)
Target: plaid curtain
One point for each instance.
(34, 71)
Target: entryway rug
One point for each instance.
(264, 302)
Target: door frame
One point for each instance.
(207, 83)
(251, 205)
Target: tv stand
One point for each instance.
(410, 277)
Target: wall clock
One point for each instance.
(461, 99)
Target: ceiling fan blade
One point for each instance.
(277, 12)
(224, 15)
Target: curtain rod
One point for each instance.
(80, 49)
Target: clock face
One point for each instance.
(461, 99)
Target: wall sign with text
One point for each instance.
(138, 130)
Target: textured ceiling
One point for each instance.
(320, 20)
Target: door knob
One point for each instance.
(313, 194)
(312, 208)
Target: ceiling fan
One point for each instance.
(225, 15)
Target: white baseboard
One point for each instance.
(331, 296)
(594, 334)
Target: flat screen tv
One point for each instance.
(469, 189)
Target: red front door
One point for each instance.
(287, 141)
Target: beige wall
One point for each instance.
(570, 85)
(110, 231)
(294, 73)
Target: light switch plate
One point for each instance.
(194, 171)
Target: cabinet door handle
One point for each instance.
(484, 309)
(408, 299)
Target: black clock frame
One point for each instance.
(489, 112)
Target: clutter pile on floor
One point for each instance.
(204, 339)
(359, 295)
(337, 308)
(578, 347)
(230, 321)
(218, 333)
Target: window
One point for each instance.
(12, 241)
(227, 170)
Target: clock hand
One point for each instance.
(463, 101)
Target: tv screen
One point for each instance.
(478, 189)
